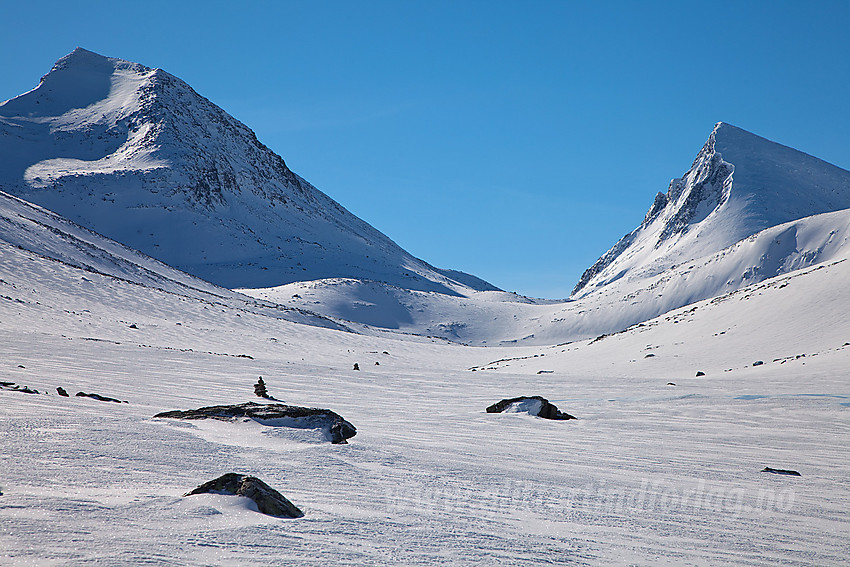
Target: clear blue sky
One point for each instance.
(513, 140)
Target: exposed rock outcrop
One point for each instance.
(268, 500)
(17, 388)
(99, 398)
(336, 429)
(534, 405)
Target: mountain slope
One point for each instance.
(137, 155)
(738, 185)
(41, 246)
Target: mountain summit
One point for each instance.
(738, 185)
(137, 155)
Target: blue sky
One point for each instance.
(513, 140)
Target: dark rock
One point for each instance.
(99, 398)
(671, 383)
(546, 411)
(133, 326)
(356, 366)
(336, 428)
(780, 471)
(758, 363)
(700, 373)
(650, 355)
(61, 391)
(268, 500)
(12, 387)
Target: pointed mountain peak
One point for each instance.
(77, 80)
(88, 63)
(738, 185)
(80, 56)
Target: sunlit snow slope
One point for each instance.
(137, 155)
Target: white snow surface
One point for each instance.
(649, 473)
(137, 155)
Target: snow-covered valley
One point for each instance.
(650, 473)
(690, 369)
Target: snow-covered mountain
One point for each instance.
(33, 238)
(748, 210)
(738, 185)
(137, 155)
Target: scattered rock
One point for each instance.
(780, 471)
(336, 429)
(99, 398)
(133, 326)
(671, 384)
(12, 387)
(21, 366)
(650, 355)
(758, 363)
(61, 391)
(545, 371)
(268, 500)
(534, 405)
(700, 373)
(356, 366)
(377, 363)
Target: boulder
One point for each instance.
(534, 405)
(268, 500)
(336, 429)
(61, 391)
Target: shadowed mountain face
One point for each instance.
(137, 155)
(738, 185)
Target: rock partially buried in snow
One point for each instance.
(268, 500)
(11, 386)
(781, 471)
(99, 398)
(336, 429)
(533, 405)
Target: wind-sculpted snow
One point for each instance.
(137, 155)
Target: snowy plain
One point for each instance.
(650, 473)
